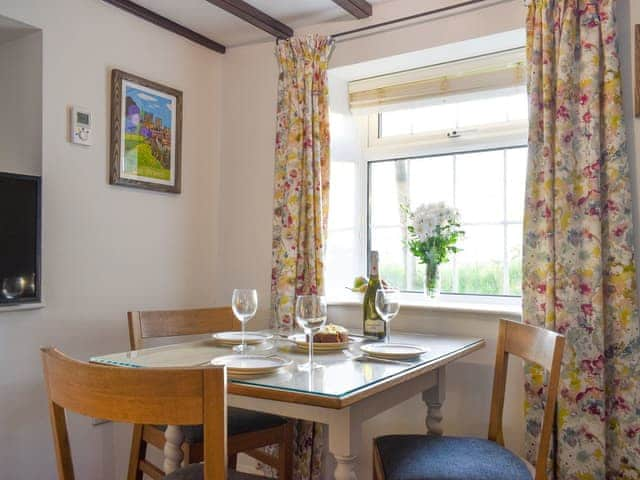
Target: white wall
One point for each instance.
(249, 86)
(106, 249)
(21, 100)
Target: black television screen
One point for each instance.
(19, 238)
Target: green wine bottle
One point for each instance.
(372, 324)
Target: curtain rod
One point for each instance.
(410, 17)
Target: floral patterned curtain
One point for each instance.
(301, 201)
(579, 267)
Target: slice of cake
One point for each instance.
(332, 334)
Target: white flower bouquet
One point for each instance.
(433, 232)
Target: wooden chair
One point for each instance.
(248, 431)
(397, 457)
(139, 396)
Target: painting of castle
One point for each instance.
(149, 117)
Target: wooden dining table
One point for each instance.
(349, 389)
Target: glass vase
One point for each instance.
(432, 281)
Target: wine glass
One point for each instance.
(13, 287)
(388, 306)
(244, 303)
(311, 315)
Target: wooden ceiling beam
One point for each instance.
(358, 8)
(255, 17)
(167, 24)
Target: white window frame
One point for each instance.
(374, 148)
(488, 136)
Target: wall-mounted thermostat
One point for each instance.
(80, 126)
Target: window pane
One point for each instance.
(431, 180)
(482, 112)
(487, 265)
(434, 118)
(480, 263)
(395, 123)
(516, 176)
(514, 256)
(389, 193)
(447, 277)
(499, 107)
(388, 242)
(480, 186)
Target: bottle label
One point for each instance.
(373, 327)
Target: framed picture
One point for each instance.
(146, 134)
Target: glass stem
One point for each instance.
(310, 351)
(387, 338)
(244, 345)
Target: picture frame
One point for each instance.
(146, 134)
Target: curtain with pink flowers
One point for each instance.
(579, 269)
(301, 202)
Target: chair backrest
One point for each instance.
(173, 323)
(536, 345)
(190, 396)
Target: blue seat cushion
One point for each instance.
(195, 471)
(429, 457)
(238, 421)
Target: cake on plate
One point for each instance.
(332, 334)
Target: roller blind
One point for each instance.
(437, 83)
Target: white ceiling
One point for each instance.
(224, 28)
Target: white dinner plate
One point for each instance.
(300, 339)
(251, 364)
(235, 338)
(392, 350)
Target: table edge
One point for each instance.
(339, 402)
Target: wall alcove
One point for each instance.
(20, 164)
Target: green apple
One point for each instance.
(360, 282)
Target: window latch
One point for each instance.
(458, 133)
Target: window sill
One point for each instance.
(417, 302)
(21, 306)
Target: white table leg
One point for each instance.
(344, 439)
(434, 398)
(345, 468)
(345, 426)
(173, 455)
